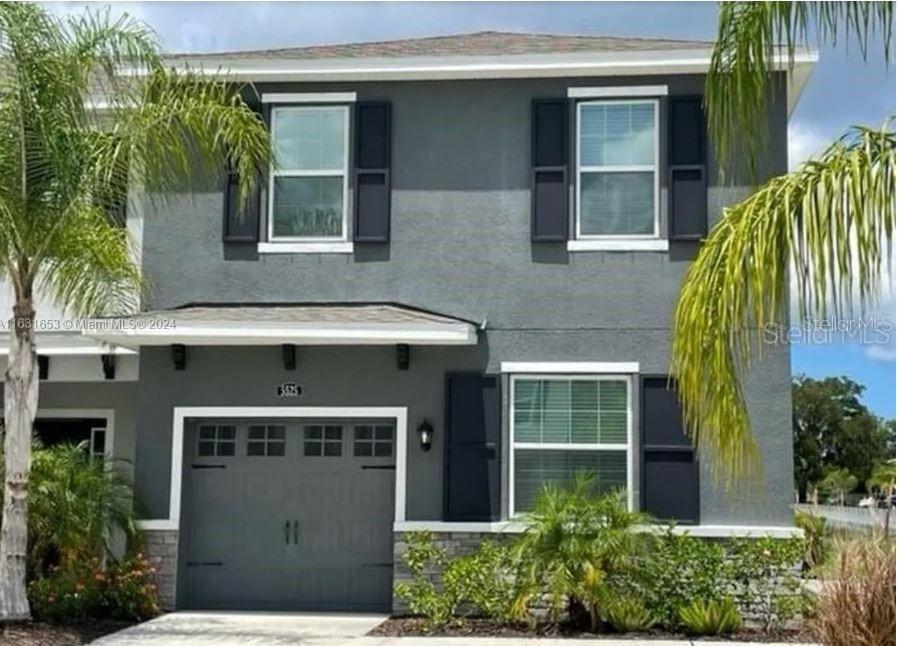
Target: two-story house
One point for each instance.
(456, 286)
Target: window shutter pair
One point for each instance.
(372, 183)
(472, 489)
(669, 465)
(687, 163)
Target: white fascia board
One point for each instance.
(309, 97)
(439, 334)
(616, 91)
(570, 367)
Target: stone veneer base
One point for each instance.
(162, 551)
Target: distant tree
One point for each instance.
(833, 429)
(840, 482)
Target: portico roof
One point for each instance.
(272, 324)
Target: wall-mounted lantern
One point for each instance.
(425, 432)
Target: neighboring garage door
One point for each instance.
(288, 515)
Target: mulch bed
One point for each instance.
(39, 634)
(417, 627)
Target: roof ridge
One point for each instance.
(442, 37)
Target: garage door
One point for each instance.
(288, 515)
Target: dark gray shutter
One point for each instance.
(549, 172)
(669, 465)
(240, 226)
(372, 161)
(472, 447)
(688, 169)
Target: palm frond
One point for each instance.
(754, 39)
(832, 220)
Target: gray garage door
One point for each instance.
(288, 515)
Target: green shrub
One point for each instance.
(766, 579)
(627, 614)
(714, 617)
(817, 537)
(679, 569)
(487, 580)
(88, 591)
(426, 562)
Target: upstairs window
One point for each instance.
(617, 169)
(307, 191)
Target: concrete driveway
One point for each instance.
(277, 629)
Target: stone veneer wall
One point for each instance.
(162, 550)
(454, 543)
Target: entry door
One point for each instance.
(288, 515)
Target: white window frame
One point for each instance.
(580, 169)
(343, 172)
(627, 447)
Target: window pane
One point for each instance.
(226, 448)
(383, 432)
(363, 432)
(533, 468)
(310, 138)
(313, 432)
(363, 449)
(617, 134)
(276, 432)
(206, 449)
(255, 448)
(333, 432)
(312, 448)
(309, 207)
(276, 448)
(333, 448)
(207, 432)
(256, 432)
(226, 432)
(617, 203)
(382, 449)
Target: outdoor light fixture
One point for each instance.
(179, 356)
(425, 431)
(289, 356)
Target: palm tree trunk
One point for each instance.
(20, 408)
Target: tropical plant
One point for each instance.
(831, 219)
(85, 105)
(76, 506)
(883, 478)
(713, 617)
(817, 537)
(627, 614)
(576, 547)
(838, 482)
(857, 605)
(429, 592)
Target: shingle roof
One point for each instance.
(482, 43)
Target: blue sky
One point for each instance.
(842, 91)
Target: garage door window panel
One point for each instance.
(373, 441)
(323, 440)
(217, 440)
(268, 441)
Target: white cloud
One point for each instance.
(882, 353)
(804, 141)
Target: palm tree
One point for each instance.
(85, 105)
(831, 219)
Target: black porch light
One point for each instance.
(425, 432)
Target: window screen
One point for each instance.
(566, 425)
(617, 168)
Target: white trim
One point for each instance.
(627, 244)
(580, 169)
(256, 333)
(309, 97)
(182, 413)
(616, 91)
(306, 247)
(86, 413)
(517, 527)
(327, 172)
(628, 447)
(572, 367)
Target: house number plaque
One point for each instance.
(289, 389)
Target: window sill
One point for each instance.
(632, 244)
(306, 247)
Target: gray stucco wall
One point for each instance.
(461, 246)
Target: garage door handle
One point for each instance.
(286, 533)
(295, 532)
